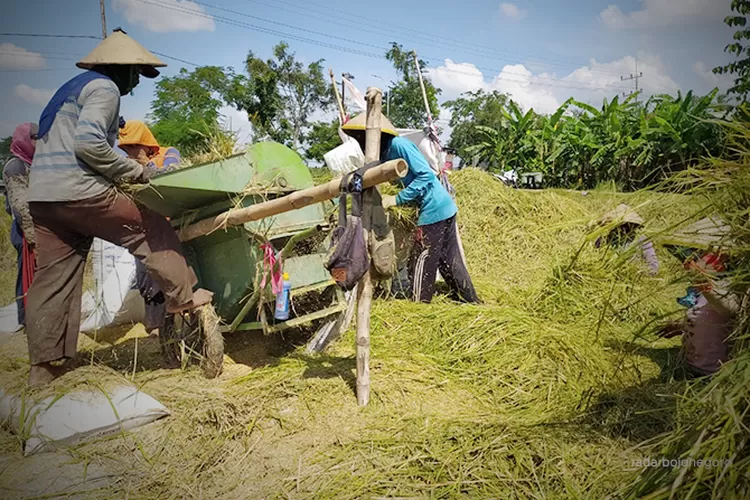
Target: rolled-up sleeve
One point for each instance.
(100, 107)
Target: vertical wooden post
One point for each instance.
(374, 98)
(342, 114)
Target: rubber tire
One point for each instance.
(200, 332)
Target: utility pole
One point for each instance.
(104, 19)
(387, 97)
(635, 77)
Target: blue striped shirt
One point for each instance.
(76, 159)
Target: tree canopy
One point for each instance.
(740, 49)
(406, 101)
(282, 94)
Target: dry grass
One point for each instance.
(542, 392)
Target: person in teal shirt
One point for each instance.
(436, 246)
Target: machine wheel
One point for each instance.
(193, 335)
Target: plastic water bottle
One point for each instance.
(282, 300)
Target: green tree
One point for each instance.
(282, 94)
(740, 49)
(322, 138)
(185, 110)
(407, 103)
(470, 111)
(5, 148)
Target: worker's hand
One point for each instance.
(142, 157)
(670, 330)
(144, 177)
(389, 201)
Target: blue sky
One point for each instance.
(540, 51)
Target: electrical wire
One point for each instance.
(232, 22)
(423, 37)
(43, 35)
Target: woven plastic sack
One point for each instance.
(78, 417)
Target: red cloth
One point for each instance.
(28, 265)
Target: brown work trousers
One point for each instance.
(64, 233)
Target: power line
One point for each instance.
(233, 22)
(42, 35)
(176, 59)
(428, 38)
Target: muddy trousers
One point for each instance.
(64, 233)
(436, 248)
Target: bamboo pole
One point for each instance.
(424, 91)
(429, 118)
(385, 172)
(342, 113)
(374, 99)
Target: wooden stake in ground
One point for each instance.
(374, 98)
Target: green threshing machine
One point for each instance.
(229, 261)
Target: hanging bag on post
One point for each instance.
(348, 259)
(382, 243)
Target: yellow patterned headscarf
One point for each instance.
(136, 132)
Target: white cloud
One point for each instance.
(545, 92)
(238, 122)
(708, 77)
(514, 80)
(511, 10)
(18, 58)
(604, 78)
(167, 16)
(660, 13)
(34, 96)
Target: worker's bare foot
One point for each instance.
(201, 297)
(43, 374)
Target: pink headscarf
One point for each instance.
(21, 145)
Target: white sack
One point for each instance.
(113, 300)
(80, 416)
(345, 158)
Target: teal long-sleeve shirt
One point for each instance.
(421, 186)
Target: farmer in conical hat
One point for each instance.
(72, 199)
(436, 245)
(624, 234)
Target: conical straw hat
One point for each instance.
(359, 123)
(623, 214)
(119, 48)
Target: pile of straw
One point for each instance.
(543, 391)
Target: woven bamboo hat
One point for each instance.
(359, 123)
(623, 214)
(119, 48)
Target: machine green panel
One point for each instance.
(276, 164)
(306, 270)
(226, 264)
(267, 164)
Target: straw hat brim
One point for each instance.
(359, 123)
(622, 214)
(119, 49)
